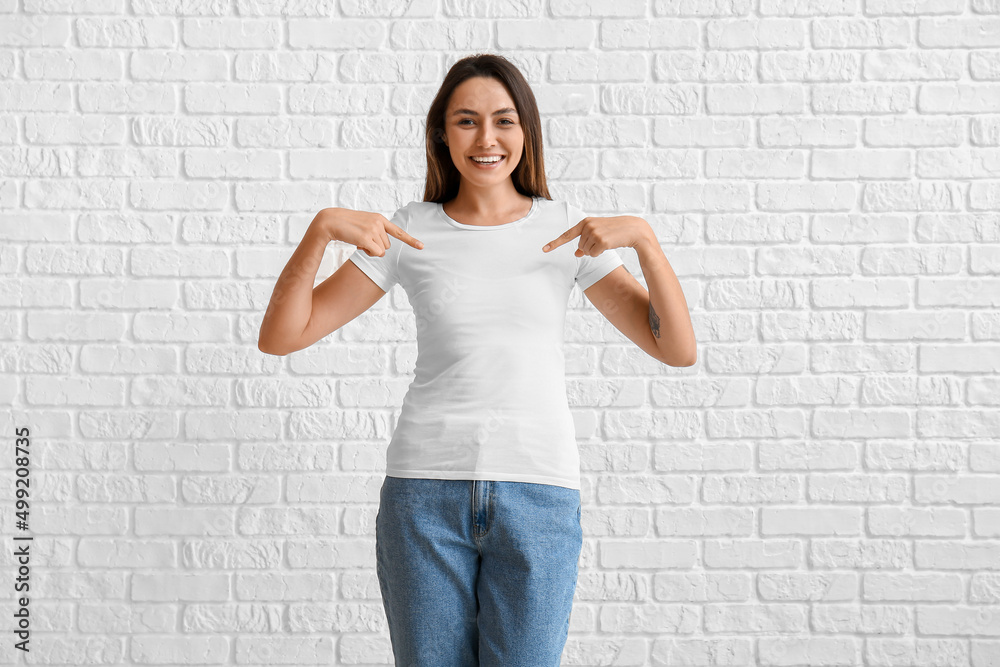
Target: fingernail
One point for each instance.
(546, 246)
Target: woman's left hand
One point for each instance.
(600, 234)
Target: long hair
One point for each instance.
(443, 177)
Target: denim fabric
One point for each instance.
(477, 572)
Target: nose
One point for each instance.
(485, 138)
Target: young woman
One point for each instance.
(478, 530)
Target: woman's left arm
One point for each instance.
(657, 321)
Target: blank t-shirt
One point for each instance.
(488, 397)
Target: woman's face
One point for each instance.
(481, 120)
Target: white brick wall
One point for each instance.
(822, 488)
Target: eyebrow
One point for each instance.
(470, 112)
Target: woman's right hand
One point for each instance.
(364, 229)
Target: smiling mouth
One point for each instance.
(488, 164)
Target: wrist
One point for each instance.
(647, 242)
(324, 225)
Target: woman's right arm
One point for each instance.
(288, 324)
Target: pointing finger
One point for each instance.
(566, 236)
(401, 234)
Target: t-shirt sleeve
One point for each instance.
(591, 269)
(383, 270)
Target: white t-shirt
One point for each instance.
(488, 398)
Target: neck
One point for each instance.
(484, 201)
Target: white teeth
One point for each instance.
(487, 160)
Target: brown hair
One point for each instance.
(443, 177)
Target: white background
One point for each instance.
(821, 488)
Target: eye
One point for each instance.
(509, 121)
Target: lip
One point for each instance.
(487, 166)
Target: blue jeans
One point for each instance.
(477, 572)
